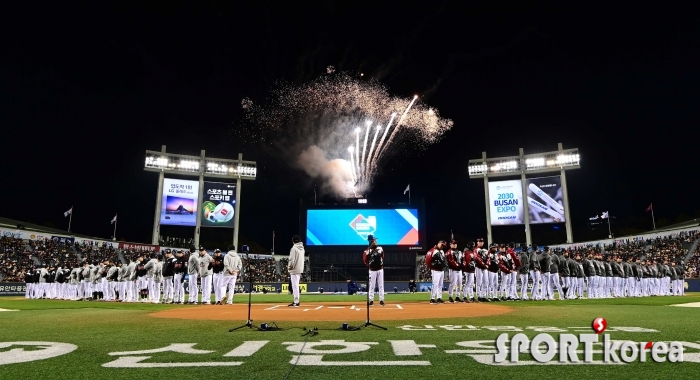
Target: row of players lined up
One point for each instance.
(140, 280)
(474, 274)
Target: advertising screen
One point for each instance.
(544, 200)
(218, 204)
(352, 226)
(506, 203)
(179, 202)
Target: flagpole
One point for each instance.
(609, 230)
(273, 242)
(115, 230)
(70, 218)
(652, 214)
(409, 193)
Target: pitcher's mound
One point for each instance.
(333, 311)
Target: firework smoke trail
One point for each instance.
(391, 138)
(357, 146)
(364, 148)
(309, 127)
(371, 149)
(351, 149)
(373, 163)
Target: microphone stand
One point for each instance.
(249, 322)
(369, 322)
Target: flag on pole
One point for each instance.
(69, 212)
(408, 188)
(604, 215)
(649, 208)
(273, 234)
(114, 219)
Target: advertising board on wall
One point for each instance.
(179, 202)
(218, 204)
(506, 203)
(545, 200)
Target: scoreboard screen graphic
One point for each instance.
(350, 227)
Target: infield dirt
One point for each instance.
(333, 311)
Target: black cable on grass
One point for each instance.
(308, 334)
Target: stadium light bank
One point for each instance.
(198, 166)
(526, 164)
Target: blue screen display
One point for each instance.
(351, 227)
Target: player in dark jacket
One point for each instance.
(545, 266)
(454, 262)
(373, 257)
(468, 268)
(535, 274)
(435, 260)
(523, 271)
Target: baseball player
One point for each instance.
(296, 267)
(157, 279)
(168, 274)
(468, 266)
(218, 269)
(545, 267)
(628, 286)
(150, 272)
(523, 271)
(373, 257)
(435, 260)
(112, 281)
(617, 276)
(516, 264)
(29, 282)
(565, 274)
(589, 272)
(492, 273)
(481, 262)
(506, 267)
(534, 272)
(205, 273)
(193, 271)
(180, 267)
(232, 266)
(131, 286)
(454, 262)
(141, 279)
(122, 281)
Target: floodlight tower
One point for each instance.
(522, 165)
(198, 166)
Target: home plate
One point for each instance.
(8, 310)
(691, 304)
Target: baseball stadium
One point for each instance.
(349, 190)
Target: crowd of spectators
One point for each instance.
(284, 270)
(14, 257)
(261, 270)
(175, 242)
(424, 274)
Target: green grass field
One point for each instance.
(98, 329)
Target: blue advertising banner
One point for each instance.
(351, 227)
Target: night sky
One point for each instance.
(85, 90)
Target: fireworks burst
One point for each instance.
(318, 125)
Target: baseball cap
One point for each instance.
(217, 250)
(371, 238)
(480, 239)
(453, 241)
(202, 249)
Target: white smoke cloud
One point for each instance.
(335, 174)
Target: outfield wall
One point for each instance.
(19, 288)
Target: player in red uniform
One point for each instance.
(454, 262)
(435, 260)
